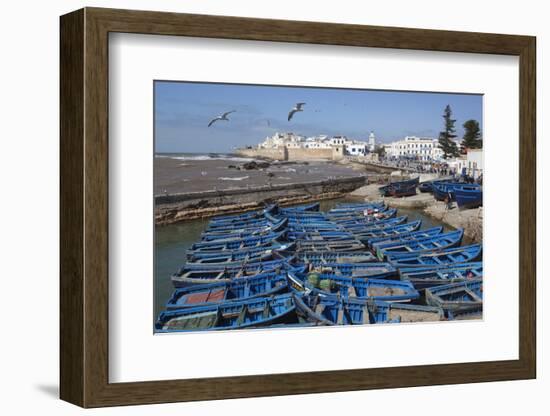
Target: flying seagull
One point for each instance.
(222, 117)
(297, 107)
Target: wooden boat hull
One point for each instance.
(346, 287)
(251, 313)
(408, 246)
(366, 235)
(237, 243)
(468, 199)
(405, 235)
(310, 257)
(376, 270)
(454, 255)
(359, 226)
(463, 297)
(261, 285)
(329, 246)
(236, 255)
(193, 273)
(427, 277)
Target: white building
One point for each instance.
(471, 164)
(372, 142)
(294, 141)
(420, 148)
(355, 148)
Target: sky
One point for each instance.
(183, 110)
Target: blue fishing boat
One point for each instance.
(449, 256)
(251, 313)
(365, 234)
(320, 235)
(360, 226)
(329, 246)
(247, 255)
(237, 243)
(240, 217)
(310, 227)
(405, 235)
(443, 190)
(230, 226)
(365, 219)
(426, 187)
(347, 287)
(202, 273)
(265, 284)
(399, 186)
(314, 206)
(429, 276)
(361, 210)
(376, 270)
(466, 297)
(358, 206)
(331, 310)
(244, 232)
(335, 257)
(416, 246)
(386, 312)
(468, 197)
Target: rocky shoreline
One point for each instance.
(471, 220)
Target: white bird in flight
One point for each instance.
(297, 107)
(222, 117)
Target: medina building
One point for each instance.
(413, 147)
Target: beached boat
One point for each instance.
(463, 297)
(247, 255)
(407, 246)
(244, 232)
(265, 284)
(201, 273)
(429, 276)
(329, 246)
(347, 287)
(399, 187)
(256, 312)
(468, 197)
(237, 243)
(453, 255)
(443, 190)
(335, 257)
(404, 235)
(425, 187)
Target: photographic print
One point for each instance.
(294, 206)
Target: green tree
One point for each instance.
(472, 136)
(380, 151)
(446, 142)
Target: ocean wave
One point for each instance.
(240, 178)
(206, 157)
